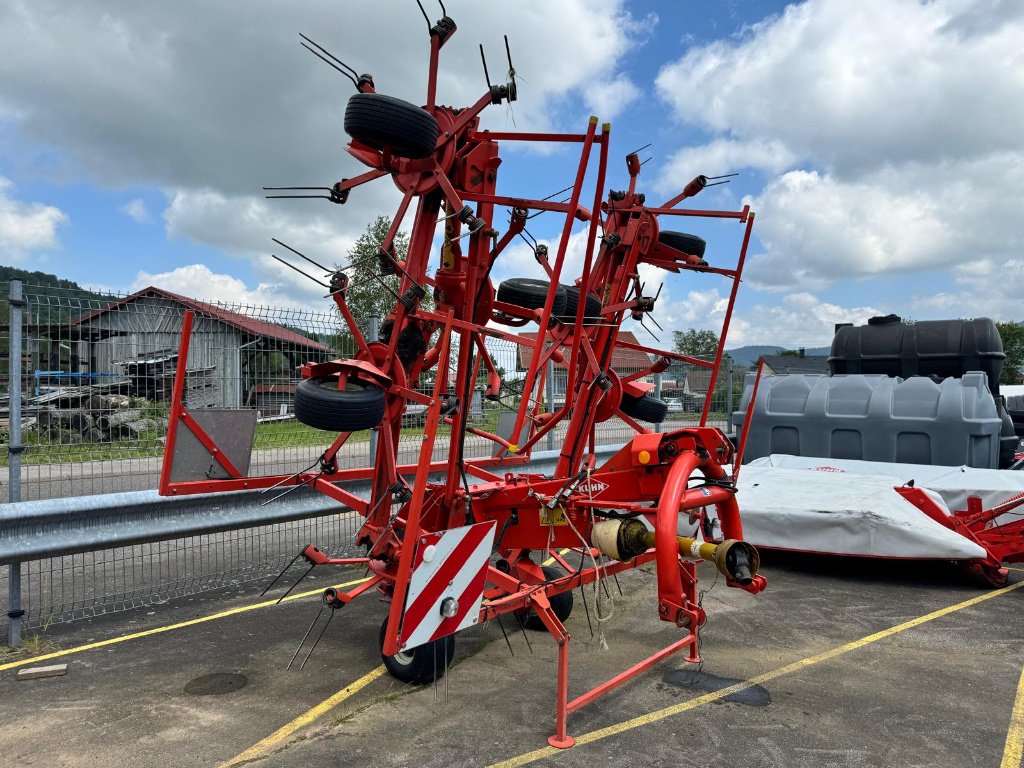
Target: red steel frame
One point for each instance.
(1003, 543)
(648, 478)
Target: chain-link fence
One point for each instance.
(95, 372)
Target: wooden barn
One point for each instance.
(230, 354)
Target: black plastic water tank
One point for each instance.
(1015, 410)
(940, 348)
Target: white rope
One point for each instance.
(601, 619)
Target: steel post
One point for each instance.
(728, 395)
(657, 394)
(549, 397)
(17, 304)
(14, 610)
(373, 334)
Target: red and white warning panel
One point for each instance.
(447, 583)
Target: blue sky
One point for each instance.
(880, 143)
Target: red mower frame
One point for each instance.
(620, 514)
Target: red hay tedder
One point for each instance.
(448, 552)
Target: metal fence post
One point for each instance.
(549, 396)
(373, 334)
(657, 395)
(729, 393)
(17, 304)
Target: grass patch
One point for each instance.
(42, 448)
(33, 645)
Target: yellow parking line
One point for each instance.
(304, 719)
(182, 625)
(1014, 749)
(1016, 729)
(318, 711)
(169, 627)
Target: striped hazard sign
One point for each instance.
(447, 583)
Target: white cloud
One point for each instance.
(862, 84)
(199, 95)
(242, 225)
(985, 287)
(608, 99)
(722, 156)
(891, 129)
(799, 319)
(26, 226)
(817, 228)
(200, 282)
(209, 104)
(137, 211)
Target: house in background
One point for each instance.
(778, 365)
(231, 358)
(624, 362)
(683, 379)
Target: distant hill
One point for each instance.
(52, 285)
(60, 300)
(749, 354)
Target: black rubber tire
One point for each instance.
(419, 664)
(591, 313)
(645, 408)
(561, 603)
(319, 404)
(531, 294)
(378, 120)
(681, 241)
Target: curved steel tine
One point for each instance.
(303, 640)
(297, 582)
(317, 45)
(282, 573)
(330, 63)
(317, 641)
(318, 282)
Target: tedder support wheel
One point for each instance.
(591, 312)
(561, 603)
(644, 408)
(531, 294)
(423, 664)
(378, 120)
(681, 241)
(320, 404)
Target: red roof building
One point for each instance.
(240, 351)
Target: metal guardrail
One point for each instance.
(56, 527)
(54, 530)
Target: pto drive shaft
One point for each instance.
(625, 539)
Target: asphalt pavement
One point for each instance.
(840, 662)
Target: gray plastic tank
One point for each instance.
(874, 418)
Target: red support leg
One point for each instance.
(561, 739)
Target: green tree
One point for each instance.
(1012, 335)
(695, 342)
(367, 294)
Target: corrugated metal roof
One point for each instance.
(234, 319)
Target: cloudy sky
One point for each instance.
(881, 142)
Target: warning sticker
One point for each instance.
(553, 516)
